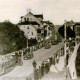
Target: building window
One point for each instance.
(28, 27)
(32, 33)
(49, 28)
(27, 19)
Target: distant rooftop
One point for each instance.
(39, 16)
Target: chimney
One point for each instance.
(28, 10)
(21, 18)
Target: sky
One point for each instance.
(54, 10)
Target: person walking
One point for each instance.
(39, 72)
(42, 69)
(46, 68)
(34, 64)
(36, 76)
(50, 60)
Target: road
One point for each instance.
(20, 72)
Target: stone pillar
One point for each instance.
(21, 57)
(61, 51)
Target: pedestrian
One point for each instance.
(34, 64)
(39, 72)
(57, 58)
(53, 61)
(42, 69)
(36, 77)
(50, 60)
(46, 68)
(65, 73)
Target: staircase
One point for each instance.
(72, 61)
(78, 62)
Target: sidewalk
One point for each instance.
(56, 71)
(71, 64)
(54, 76)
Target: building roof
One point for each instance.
(39, 16)
(77, 23)
(28, 23)
(47, 22)
(70, 22)
(57, 27)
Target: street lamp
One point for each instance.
(27, 40)
(65, 36)
(65, 42)
(26, 35)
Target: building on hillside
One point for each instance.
(48, 29)
(75, 26)
(70, 24)
(32, 25)
(56, 33)
(74, 33)
(77, 30)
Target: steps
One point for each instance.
(71, 64)
(78, 62)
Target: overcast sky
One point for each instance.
(54, 10)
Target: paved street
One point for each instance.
(25, 70)
(55, 76)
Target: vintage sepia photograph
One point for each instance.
(39, 39)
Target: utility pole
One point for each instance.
(27, 40)
(26, 35)
(65, 42)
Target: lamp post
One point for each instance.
(65, 42)
(27, 40)
(26, 35)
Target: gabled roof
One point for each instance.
(36, 15)
(39, 16)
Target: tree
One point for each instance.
(11, 38)
(69, 32)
